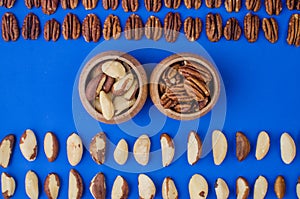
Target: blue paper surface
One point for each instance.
(261, 82)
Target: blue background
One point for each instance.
(261, 82)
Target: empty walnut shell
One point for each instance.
(213, 85)
(128, 62)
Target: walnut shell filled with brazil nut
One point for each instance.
(185, 86)
(113, 87)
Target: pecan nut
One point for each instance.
(7, 3)
(273, 7)
(153, 28)
(192, 28)
(233, 5)
(10, 29)
(70, 4)
(32, 3)
(270, 28)
(49, 6)
(51, 30)
(187, 94)
(213, 3)
(111, 27)
(130, 5)
(134, 27)
(232, 29)
(107, 4)
(172, 25)
(251, 27)
(91, 28)
(192, 4)
(293, 37)
(253, 5)
(71, 27)
(172, 3)
(89, 4)
(31, 27)
(293, 4)
(214, 27)
(153, 5)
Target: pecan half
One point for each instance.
(153, 28)
(172, 3)
(172, 25)
(253, 5)
(51, 30)
(153, 5)
(10, 29)
(107, 4)
(31, 27)
(213, 3)
(251, 27)
(134, 27)
(7, 3)
(192, 4)
(232, 29)
(273, 7)
(214, 27)
(89, 4)
(70, 4)
(270, 28)
(293, 37)
(49, 6)
(130, 5)
(293, 4)
(233, 5)
(71, 27)
(192, 28)
(32, 3)
(91, 28)
(111, 27)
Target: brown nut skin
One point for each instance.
(98, 186)
(245, 194)
(47, 187)
(242, 146)
(4, 161)
(55, 146)
(98, 154)
(79, 184)
(279, 187)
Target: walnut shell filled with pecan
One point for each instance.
(184, 86)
